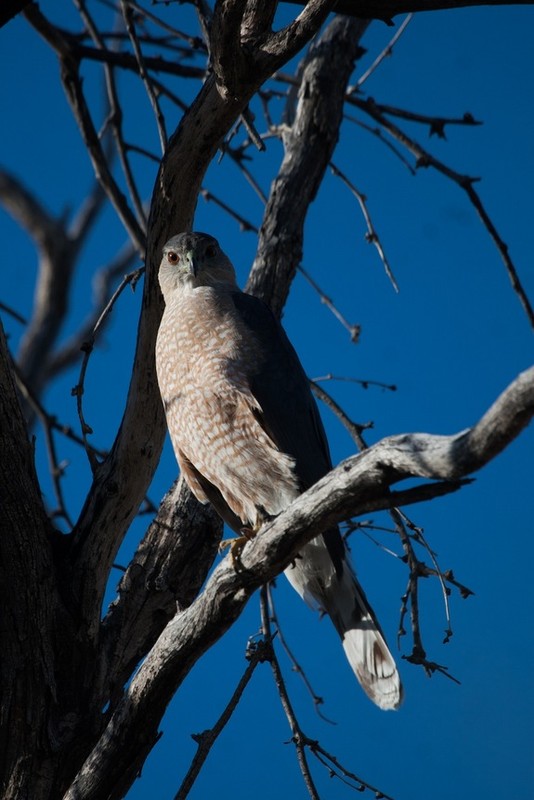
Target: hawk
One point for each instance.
(248, 437)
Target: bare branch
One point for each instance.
(386, 53)
(148, 83)
(207, 739)
(465, 182)
(308, 147)
(358, 485)
(387, 9)
(371, 236)
(297, 736)
(73, 87)
(87, 348)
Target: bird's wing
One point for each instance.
(321, 575)
(288, 413)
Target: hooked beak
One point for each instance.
(192, 262)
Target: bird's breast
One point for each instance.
(203, 343)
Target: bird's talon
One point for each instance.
(236, 546)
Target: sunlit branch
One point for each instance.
(386, 52)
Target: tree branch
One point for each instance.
(308, 147)
(358, 485)
(387, 9)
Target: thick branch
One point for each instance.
(387, 9)
(358, 485)
(28, 608)
(121, 481)
(166, 573)
(308, 147)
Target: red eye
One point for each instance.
(211, 250)
(172, 257)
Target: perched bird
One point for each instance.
(248, 437)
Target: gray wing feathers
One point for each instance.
(322, 574)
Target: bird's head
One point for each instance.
(191, 260)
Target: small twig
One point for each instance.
(135, 148)
(193, 41)
(147, 81)
(244, 224)
(379, 135)
(386, 52)
(87, 349)
(236, 154)
(465, 182)
(298, 738)
(115, 116)
(436, 124)
(296, 667)
(337, 770)
(207, 739)
(371, 236)
(423, 572)
(57, 469)
(365, 526)
(12, 313)
(301, 741)
(353, 428)
(354, 330)
(365, 384)
(103, 282)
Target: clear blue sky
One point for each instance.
(451, 340)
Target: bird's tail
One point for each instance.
(337, 591)
(363, 641)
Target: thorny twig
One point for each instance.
(416, 567)
(436, 124)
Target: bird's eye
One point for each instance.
(172, 257)
(211, 250)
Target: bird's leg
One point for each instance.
(248, 532)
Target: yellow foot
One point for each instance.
(236, 545)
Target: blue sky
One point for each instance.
(451, 340)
